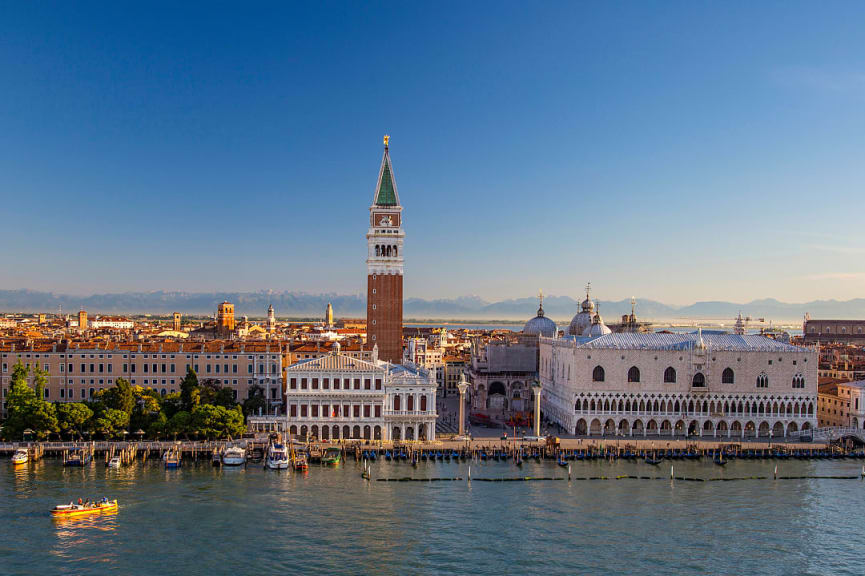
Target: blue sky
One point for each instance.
(675, 151)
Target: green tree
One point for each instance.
(40, 380)
(234, 423)
(178, 424)
(43, 419)
(111, 422)
(118, 397)
(214, 393)
(190, 393)
(171, 404)
(158, 426)
(26, 407)
(255, 401)
(212, 421)
(18, 403)
(73, 417)
(147, 409)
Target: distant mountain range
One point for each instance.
(298, 304)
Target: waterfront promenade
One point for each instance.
(610, 446)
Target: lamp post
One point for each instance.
(462, 386)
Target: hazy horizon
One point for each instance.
(311, 305)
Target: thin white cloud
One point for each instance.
(829, 82)
(837, 276)
(845, 249)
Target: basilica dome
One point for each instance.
(598, 328)
(541, 325)
(582, 321)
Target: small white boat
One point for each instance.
(277, 457)
(21, 456)
(115, 462)
(234, 456)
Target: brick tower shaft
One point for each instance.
(385, 266)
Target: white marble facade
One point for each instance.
(707, 385)
(339, 397)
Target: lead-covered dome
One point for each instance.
(582, 321)
(598, 328)
(540, 324)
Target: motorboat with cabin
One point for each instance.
(234, 456)
(21, 456)
(277, 457)
(331, 456)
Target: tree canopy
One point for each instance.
(26, 407)
(201, 410)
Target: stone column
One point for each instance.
(462, 386)
(536, 388)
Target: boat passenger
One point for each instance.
(80, 502)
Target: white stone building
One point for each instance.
(716, 385)
(340, 397)
(116, 322)
(424, 353)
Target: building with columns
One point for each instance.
(385, 266)
(663, 384)
(501, 373)
(343, 397)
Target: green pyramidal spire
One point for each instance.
(386, 194)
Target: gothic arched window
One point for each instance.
(670, 374)
(727, 377)
(598, 374)
(634, 374)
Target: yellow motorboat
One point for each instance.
(77, 510)
(21, 456)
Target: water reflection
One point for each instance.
(85, 540)
(101, 521)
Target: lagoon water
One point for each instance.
(201, 520)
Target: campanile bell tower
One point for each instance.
(384, 264)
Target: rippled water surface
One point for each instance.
(250, 521)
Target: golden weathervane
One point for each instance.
(386, 140)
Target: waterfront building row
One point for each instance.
(76, 371)
(718, 385)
